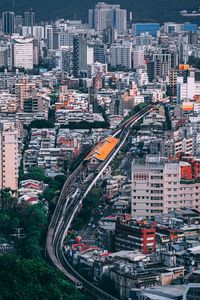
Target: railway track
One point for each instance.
(67, 208)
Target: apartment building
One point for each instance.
(8, 102)
(107, 15)
(189, 89)
(9, 156)
(64, 116)
(22, 52)
(160, 186)
(37, 105)
(175, 146)
(138, 58)
(51, 159)
(120, 55)
(130, 236)
(40, 139)
(24, 90)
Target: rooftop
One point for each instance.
(164, 292)
(103, 148)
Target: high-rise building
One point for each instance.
(55, 38)
(26, 31)
(8, 156)
(8, 20)
(62, 39)
(4, 53)
(90, 55)
(117, 105)
(67, 59)
(120, 55)
(109, 35)
(22, 52)
(49, 36)
(141, 77)
(38, 32)
(18, 21)
(192, 38)
(160, 186)
(93, 104)
(183, 52)
(188, 87)
(151, 70)
(174, 58)
(24, 90)
(108, 15)
(162, 64)
(144, 39)
(80, 55)
(29, 19)
(100, 52)
(138, 58)
(183, 72)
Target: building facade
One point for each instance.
(9, 156)
(120, 56)
(108, 15)
(80, 55)
(130, 236)
(23, 53)
(160, 187)
(8, 20)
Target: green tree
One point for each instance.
(86, 125)
(89, 204)
(33, 279)
(60, 180)
(35, 174)
(35, 224)
(41, 124)
(7, 200)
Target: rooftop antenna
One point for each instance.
(13, 4)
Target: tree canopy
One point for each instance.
(25, 274)
(41, 124)
(32, 279)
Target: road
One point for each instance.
(70, 200)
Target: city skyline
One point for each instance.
(100, 152)
(73, 11)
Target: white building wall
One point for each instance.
(190, 89)
(138, 58)
(120, 55)
(157, 188)
(23, 53)
(90, 55)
